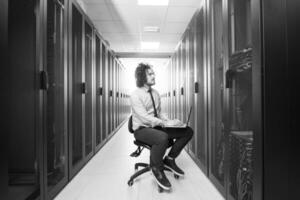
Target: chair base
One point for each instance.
(146, 168)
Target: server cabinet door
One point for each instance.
(77, 92)
(176, 84)
(179, 82)
(114, 94)
(201, 95)
(104, 92)
(109, 70)
(88, 112)
(99, 91)
(111, 92)
(118, 94)
(25, 118)
(172, 88)
(191, 81)
(216, 110)
(239, 89)
(183, 79)
(56, 98)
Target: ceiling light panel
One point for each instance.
(151, 29)
(153, 2)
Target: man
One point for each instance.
(149, 124)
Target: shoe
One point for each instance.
(161, 178)
(171, 165)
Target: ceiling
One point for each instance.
(122, 22)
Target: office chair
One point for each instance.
(146, 167)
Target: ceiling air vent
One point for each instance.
(151, 29)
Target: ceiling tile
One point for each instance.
(174, 28)
(123, 12)
(170, 37)
(113, 36)
(121, 2)
(129, 27)
(191, 3)
(152, 13)
(117, 47)
(98, 12)
(180, 14)
(150, 37)
(107, 27)
(130, 38)
(94, 1)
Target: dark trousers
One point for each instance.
(159, 138)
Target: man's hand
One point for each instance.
(178, 122)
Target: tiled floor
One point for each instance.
(105, 177)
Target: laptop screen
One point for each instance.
(188, 119)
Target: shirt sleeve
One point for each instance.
(141, 112)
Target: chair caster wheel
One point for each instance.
(130, 182)
(176, 176)
(160, 189)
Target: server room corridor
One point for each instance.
(105, 176)
(69, 87)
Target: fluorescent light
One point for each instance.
(153, 2)
(151, 29)
(150, 45)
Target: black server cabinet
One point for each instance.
(104, 91)
(172, 90)
(88, 88)
(76, 91)
(183, 80)
(111, 81)
(216, 109)
(176, 93)
(5, 96)
(80, 90)
(99, 91)
(191, 81)
(201, 106)
(54, 76)
(25, 131)
(108, 91)
(238, 100)
(121, 95)
(171, 87)
(178, 86)
(118, 93)
(113, 93)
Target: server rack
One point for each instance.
(88, 88)
(99, 91)
(55, 99)
(25, 119)
(76, 90)
(183, 80)
(114, 94)
(104, 90)
(216, 108)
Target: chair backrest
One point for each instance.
(130, 125)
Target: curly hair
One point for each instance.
(140, 74)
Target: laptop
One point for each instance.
(185, 124)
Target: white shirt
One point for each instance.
(142, 108)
